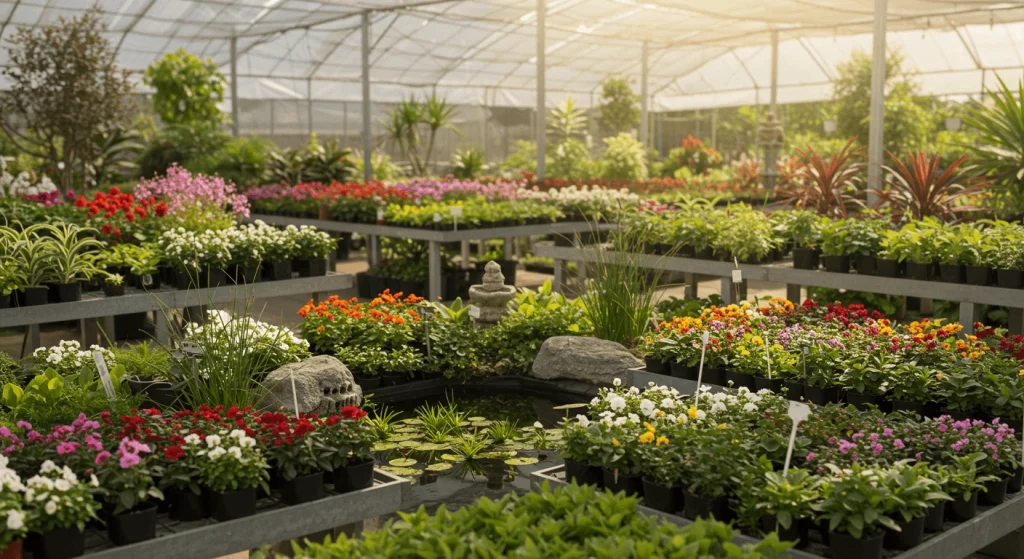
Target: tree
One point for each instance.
(908, 116)
(618, 110)
(566, 121)
(188, 89)
(405, 121)
(65, 90)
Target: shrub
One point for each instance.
(624, 158)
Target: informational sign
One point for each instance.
(474, 311)
(101, 368)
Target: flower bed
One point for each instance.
(860, 477)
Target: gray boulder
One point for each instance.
(322, 385)
(585, 359)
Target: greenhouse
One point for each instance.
(494, 278)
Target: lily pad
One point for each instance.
(482, 423)
(453, 458)
(476, 418)
(402, 462)
(432, 446)
(413, 421)
(407, 430)
(438, 467)
(496, 454)
(404, 437)
(571, 406)
(412, 445)
(401, 471)
(522, 461)
(384, 445)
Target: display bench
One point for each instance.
(996, 530)
(434, 238)
(96, 310)
(273, 523)
(970, 297)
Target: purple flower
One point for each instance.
(876, 448)
(5, 432)
(887, 432)
(181, 190)
(943, 428)
(960, 444)
(846, 446)
(899, 444)
(24, 425)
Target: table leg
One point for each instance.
(163, 327)
(726, 291)
(32, 335)
(464, 254)
(434, 265)
(1016, 321)
(509, 248)
(317, 297)
(793, 293)
(373, 249)
(88, 327)
(968, 314)
(557, 283)
(926, 308)
(691, 285)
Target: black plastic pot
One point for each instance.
(910, 534)
(995, 492)
(680, 369)
(450, 284)
(186, 506)
(656, 366)
(862, 401)
(904, 405)
(739, 379)
(888, 268)
(378, 284)
(133, 526)
(661, 497)
(62, 543)
(794, 390)
(233, 504)
(698, 506)
(919, 270)
(583, 474)
(113, 290)
(821, 396)
(865, 265)
(353, 477)
(277, 271)
(212, 277)
(959, 510)
(161, 393)
(1012, 279)
(310, 267)
(363, 285)
(978, 275)
(69, 292)
(774, 384)
(845, 546)
(1016, 481)
(714, 375)
(632, 485)
(805, 259)
(5, 301)
(32, 296)
(393, 380)
(935, 517)
(247, 274)
(837, 264)
(798, 531)
(303, 489)
(342, 250)
(951, 273)
(367, 383)
(185, 280)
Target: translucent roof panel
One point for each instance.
(702, 53)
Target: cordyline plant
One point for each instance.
(917, 189)
(827, 185)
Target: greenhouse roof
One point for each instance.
(702, 53)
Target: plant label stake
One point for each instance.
(380, 216)
(456, 211)
(295, 395)
(473, 311)
(437, 218)
(700, 371)
(101, 368)
(737, 274)
(428, 313)
(798, 411)
(803, 359)
(767, 356)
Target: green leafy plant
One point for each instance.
(856, 501)
(789, 497)
(566, 121)
(71, 246)
(468, 163)
(187, 88)
(617, 109)
(624, 159)
(999, 151)
(317, 162)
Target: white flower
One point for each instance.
(237, 434)
(48, 467)
(618, 403)
(213, 440)
(750, 406)
(192, 438)
(538, 424)
(582, 420)
(617, 382)
(718, 407)
(634, 418)
(93, 481)
(15, 520)
(50, 507)
(217, 452)
(235, 452)
(646, 407)
(668, 403)
(62, 485)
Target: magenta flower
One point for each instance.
(811, 456)
(24, 425)
(899, 444)
(128, 460)
(67, 448)
(181, 190)
(101, 457)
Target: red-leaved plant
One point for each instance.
(917, 189)
(826, 185)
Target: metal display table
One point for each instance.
(970, 297)
(95, 308)
(434, 238)
(273, 523)
(995, 529)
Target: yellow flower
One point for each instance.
(649, 427)
(723, 426)
(735, 441)
(661, 440)
(615, 442)
(973, 355)
(1020, 373)
(659, 413)
(647, 437)
(776, 347)
(744, 353)
(941, 376)
(757, 340)
(692, 412)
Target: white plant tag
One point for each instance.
(437, 218)
(798, 412)
(456, 211)
(474, 311)
(380, 214)
(295, 395)
(191, 349)
(101, 368)
(767, 356)
(737, 276)
(700, 371)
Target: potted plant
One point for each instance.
(348, 440)
(146, 266)
(804, 227)
(914, 491)
(835, 247)
(963, 481)
(232, 469)
(619, 458)
(579, 452)
(33, 255)
(181, 477)
(298, 453)
(70, 259)
(12, 279)
(57, 523)
(911, 387)
(855, 502)
(113, 285)
(278, 248)
(1007, 254)
(918, 238)
(712, 459)
(311, 250)
(11, 512)
(126, 486)
(786, 501)
(950, 247)
(148, 371)
(663, 478)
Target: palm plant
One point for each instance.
(999, 150)
(437, 115)
(401, 127)
(827, 186)
(917, 189)
(566, 121)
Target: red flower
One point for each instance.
(107, 229)
(352, 412)
(174, 453)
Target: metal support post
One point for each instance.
(234, 87)
(875, 128)
(367, 138)
(644, 125)
(541, 106)
(434, 266)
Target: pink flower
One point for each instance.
(94, 443)
(67, 448)
(899, 444)
(101, 457)
(128, 460)
(24, 425)
(811, 456)
(943, 428)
